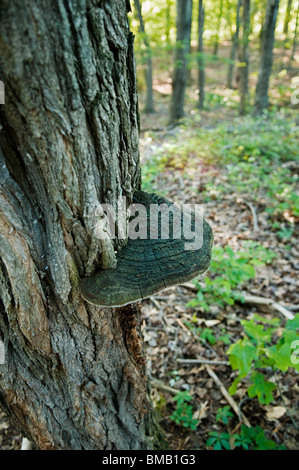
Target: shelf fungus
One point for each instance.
(167, 245)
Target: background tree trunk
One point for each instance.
(287, 18)
(261, 94)
(244, 57)
(168, 22)
(219, 18)
(179, 81)
(74, 375)
(235, 42)
(292, 56)
(201, 60)
(148, 71)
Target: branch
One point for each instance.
(203, 361)
(253, 299)
(160, 385)
(253, 213)
(228, 398)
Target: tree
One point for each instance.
(287, 18)
(235, 41)
(244, 56)
(201, 61)
(295, 37)
(149, 101)
(219, 18)
(179, 81)
(74, 375)
(261, 93)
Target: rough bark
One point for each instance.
(244, 58)
(235, 42)
(201, 61)
(180, 74)
(261, 93)
(74, 375)
(148, 71)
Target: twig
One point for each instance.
(228, 398)
(181, 181)
(253, 213)
(253, 299)
(203, 361)
(160, 385)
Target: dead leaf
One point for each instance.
(275, 412)
(209, 323)
(202, 412)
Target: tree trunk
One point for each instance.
(179, 82)
(261, 94)
(168, 22)
(148, 71)
(219, 18)
(235, 42)
(244, 59)
(74, 374)
(201, 61)
(287, 18)
(295, 38)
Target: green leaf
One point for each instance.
(269, 321)
(233, 388)
(257, 332)
(241, 354)
(261, 388)
(293, 324)
(262, 442)
(285, 353)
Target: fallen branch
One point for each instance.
(228, 398)
(254, 299)
(254, 215)
(203, 361)
(160, 385)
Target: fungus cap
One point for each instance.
(152, 262)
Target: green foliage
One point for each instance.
(223, 414)
(254, 438)
(266, 343)
(207, 334)
(229, 270)
(183, 414)
(218, 441)
(253, 160)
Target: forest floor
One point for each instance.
(176, 332)
(181, 163)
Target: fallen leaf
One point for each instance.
(275, 412)
(209, 323)
(201, 412)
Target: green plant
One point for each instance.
(207, 334)
(229, 270)
(218, 440)
(254, 438)
(223, 414)
(266, 344)
(183, 414)
(248, 438)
